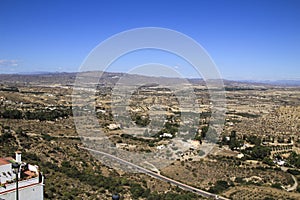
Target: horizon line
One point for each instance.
(197, 78)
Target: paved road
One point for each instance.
(158, 176)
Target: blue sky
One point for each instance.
(246, 39)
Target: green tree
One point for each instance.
(260, 152)
(219, 187)
(254, 140)
(294, 159)
(234, 144)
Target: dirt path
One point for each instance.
(294, 187)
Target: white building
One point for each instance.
(113, 126)
(30, 180)
(166, 135)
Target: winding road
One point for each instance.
(293, 187)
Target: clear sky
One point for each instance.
(247, 39)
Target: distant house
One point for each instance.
(280, 162)
(166, 135)
(160, 147)
(240, 155)
(113, 126)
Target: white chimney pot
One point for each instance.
(18, 157)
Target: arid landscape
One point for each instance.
(150, 100)
(256, 156)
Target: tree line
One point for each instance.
(42, 115)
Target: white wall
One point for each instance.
(35, 192)
(6, 168)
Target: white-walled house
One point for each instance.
(30, 180)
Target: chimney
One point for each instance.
(18, 156)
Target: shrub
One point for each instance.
(219, 187)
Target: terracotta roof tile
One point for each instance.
(5, 161)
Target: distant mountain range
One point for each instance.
(72, 75)
(275, 82)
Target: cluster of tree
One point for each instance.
(207, 133)
(138, 191)
(12, 114)
(47, 114)
(172, 196)
(107, 116)
(169, 127)
(237, 89)
(294, 172)
(268, 161)
(294, 159)
(233, 142)
(141, 121)
(258, 152)
(35, 115)
(5, 137)
(89, 177)
(131, 137)
(205, 115)
(31, 157)
(115, 184)
(202, 135)
(10, 89)
(47, 137)
(276, 185)
(219, 187)
(33, 92)
(252, 139)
